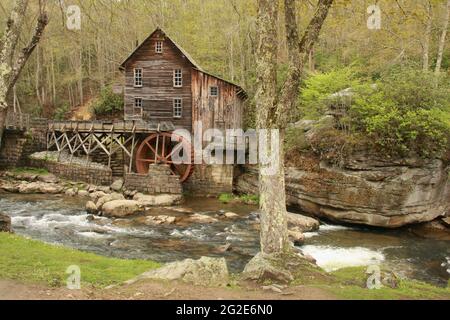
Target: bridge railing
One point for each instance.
(17, 121)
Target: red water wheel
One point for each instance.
(159, 148)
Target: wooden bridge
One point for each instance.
(143, 142)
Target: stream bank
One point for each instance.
(63, 220)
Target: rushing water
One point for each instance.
(56, 219)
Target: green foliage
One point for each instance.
(406, 112)
(226, 197)
(33, 261)
(60, 112)
(38, 171)
(245, 198)
(108, 102)
(318, 88)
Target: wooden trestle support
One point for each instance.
(150, 142)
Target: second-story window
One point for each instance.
(177, 78)
(177, 107)
(159, 47)
(138, 77)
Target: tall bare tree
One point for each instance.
(442, 39)
(274, 107)
(12, 62)
(427, 37)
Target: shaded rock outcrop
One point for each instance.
(365, 189)
(203, 272)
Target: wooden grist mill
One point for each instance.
(165, 90)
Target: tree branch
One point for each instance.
(28, 50)
(12, 32)
(298, 51)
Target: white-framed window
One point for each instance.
(138, 77)
(177, 78)
(138, 104)
(214, 91)
(159, 47)
(177, 107)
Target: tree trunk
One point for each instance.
(272, 202)
(442, 40)
(426, 43)
(274, 231)
(273, 109)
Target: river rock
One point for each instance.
(97, 195)
(303, 223)
(121, 208)
(71, 192)
(203, 272)
(48, 178)
(432, 230)
(91, 207)
(5, 223)
(83, 193)
(160, 200)
(201, 218)
(108, 198)
(117, 185)
(157, 220)
(366, 189)
(231, 215)
(39, 187)
(30, 177)
(105, 189)
(9, 187)
(297, 237)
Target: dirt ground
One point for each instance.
(151, 290)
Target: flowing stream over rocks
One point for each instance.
(63, 220)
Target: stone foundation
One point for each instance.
(73, 172)
(17, 146)
(159, 180)
(210, 180)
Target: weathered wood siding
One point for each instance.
(222, 112)
(157, 90)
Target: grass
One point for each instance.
(32, 261)
(351, 284)
(38, 171)
(245, 198)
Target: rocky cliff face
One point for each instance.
(365, 189)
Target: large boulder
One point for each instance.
(108, 198)
(117, 185)
(121, 208)
(5, 223)
(203, 272)
(436, 229)
(160, 200)
(280, 268)
(91, 207)
(39, 187)
(302, 223)
(365, 189)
